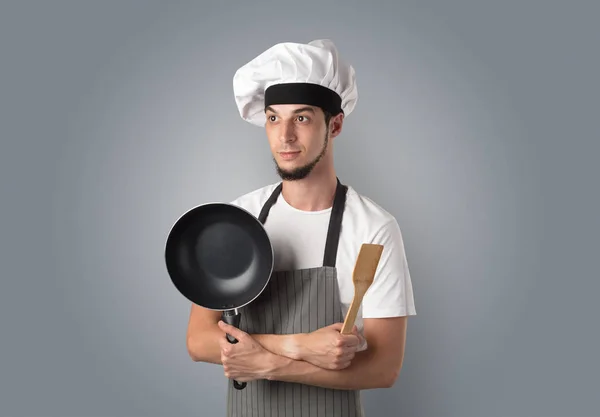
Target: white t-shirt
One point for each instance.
(298, 238)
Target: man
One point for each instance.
(290, 351)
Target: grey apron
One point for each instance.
(297, 301)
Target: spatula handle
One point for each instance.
(353, 311)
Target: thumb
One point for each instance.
(232, 330)
(336, 326)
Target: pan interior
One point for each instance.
(219, 256)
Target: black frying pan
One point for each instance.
(219, 257)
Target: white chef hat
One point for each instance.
(295, 73)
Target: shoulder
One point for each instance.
(368, 218)
(253, 201)
(391, 293)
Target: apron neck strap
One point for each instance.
(264, 212)
(335, 221)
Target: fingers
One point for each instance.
(226, 349)
(339, 364)
(359, 338)
(340, 326)
(344, 359)
(223, 343)
(336, 326)
(344, 353)
(232, 330)
(348, 356)
(348, 340)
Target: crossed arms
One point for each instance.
(324, 358)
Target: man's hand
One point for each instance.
(246, 360)
(328, 348)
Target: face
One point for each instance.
(299, 138)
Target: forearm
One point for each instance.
(363, 373)
(286, 345)
(203, 346)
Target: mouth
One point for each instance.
(289, 155)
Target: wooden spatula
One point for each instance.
(362, 277)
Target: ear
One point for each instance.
(335, 125)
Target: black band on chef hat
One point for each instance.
(304, 93)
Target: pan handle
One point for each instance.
(232, 317)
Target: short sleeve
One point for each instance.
(391, 293)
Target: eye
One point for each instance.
(302, 119)
(272, 118)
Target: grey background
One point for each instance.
(476, 126)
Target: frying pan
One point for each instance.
(219, 257)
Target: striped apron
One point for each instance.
(297, 301)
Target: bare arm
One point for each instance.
(203, 335)
(377, 367)
(287, 345)
(325, 347)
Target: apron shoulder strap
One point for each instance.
(335, 225)
(264, 212)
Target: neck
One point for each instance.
(313, 193)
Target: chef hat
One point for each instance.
(295, 73)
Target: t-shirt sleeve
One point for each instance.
(391, 293)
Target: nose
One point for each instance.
(287, 132)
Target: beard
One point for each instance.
(303, 171)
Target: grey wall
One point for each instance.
(477, 126)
